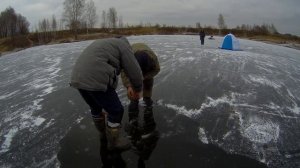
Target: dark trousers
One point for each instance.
(147, 87)
(109, 101)
(202, 40)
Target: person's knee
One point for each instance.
(115, 114)
(97, 112)
(148, 83)
(147, 93)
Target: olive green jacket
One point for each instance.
(148, 75)
(102, 61)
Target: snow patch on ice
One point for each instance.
(48, 90)
(182, 110)
(259, 131)
(290, 94)
(78, 120)
(169, 46)
(71, 102)
(210, 102)
(38, 121)
(7, 95)
(273, 106)
(264, 81)
(254, 129)
(227, 134)
(187, 59)
(48, 162)
(25, 119)
(51, 122)
(27, 113)
(202, 136)
(45, 77)
(8, 139)
(36, 72)
(295, 109)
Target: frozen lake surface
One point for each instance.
(245, 103)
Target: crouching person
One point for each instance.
(95, 75)
(149, 65)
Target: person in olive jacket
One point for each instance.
(149, 64)
(95, 75)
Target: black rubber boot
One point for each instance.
(148, 101)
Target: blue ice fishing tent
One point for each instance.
(230, 42)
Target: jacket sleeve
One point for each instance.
(125, 79)
(156, 68)
(131, 67)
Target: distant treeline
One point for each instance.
(79, 20)
(12, 24)
(62, 36)
(244, 30)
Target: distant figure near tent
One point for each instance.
(202, 36)
(230, 42)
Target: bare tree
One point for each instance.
(121, 24)
(44, 31)
(12, 24)
(273, 29)
(62, 24)
(91, 14)
(112, 17)
(73, 12)
(141, 24)
(44, 25)
(198, 25)
(104, 19)
(22, 25)
(54, 26)
(54, 23)
(221, 23)
(148, 24)
(2, 27)
(10, 21)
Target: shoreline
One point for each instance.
(286, 44)
(13, 51)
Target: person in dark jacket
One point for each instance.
(202, 36)
(95, 75)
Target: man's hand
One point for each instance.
(130, 92)
(132, 95)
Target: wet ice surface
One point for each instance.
(244, 102)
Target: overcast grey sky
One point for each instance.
(284, 14)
